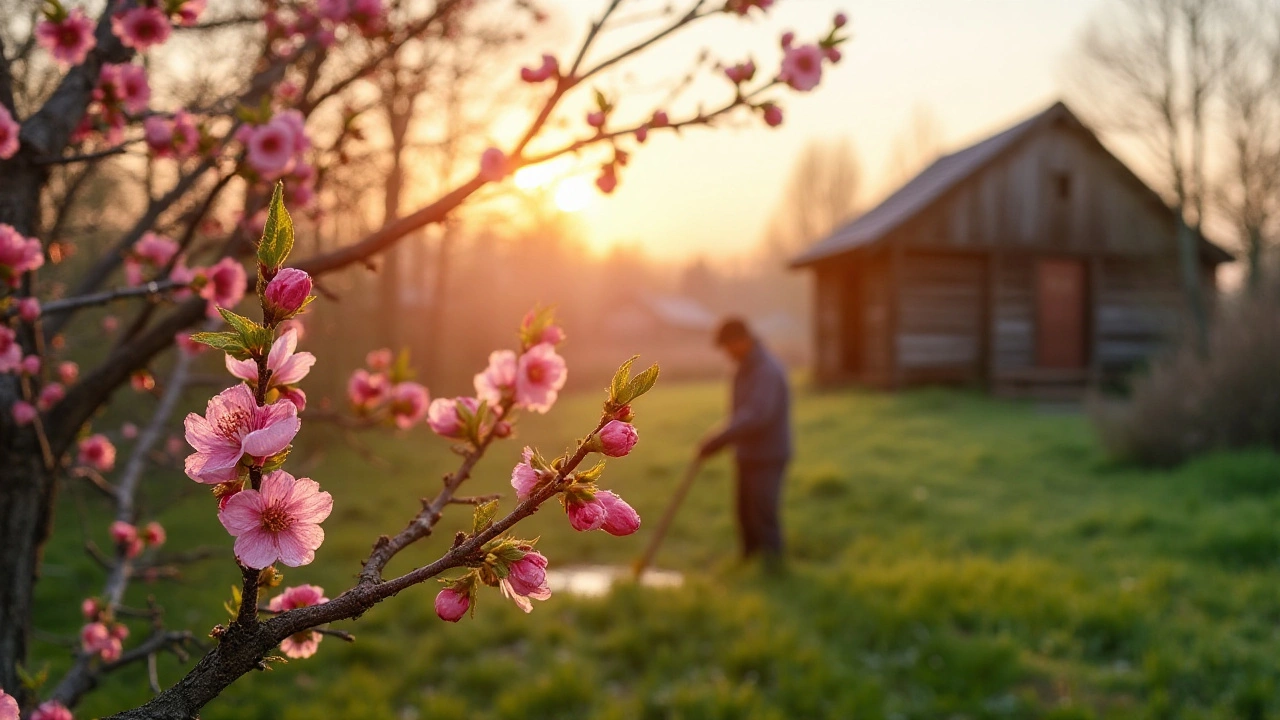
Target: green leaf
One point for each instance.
(277, 234)
(33, 682)
(228, 342)
(252, 335)
(484, 516)
(401, 370)
(535, 323)
(233, 607)
(592, 475)
(620, 378)
(641, 384)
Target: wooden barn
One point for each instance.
(1033, 260)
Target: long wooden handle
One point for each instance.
(660, 532)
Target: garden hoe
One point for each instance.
(660, 532)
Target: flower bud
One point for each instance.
(154, 534)
(31, 364)
(625, 414)
(552, 334)
(90, 608)
(122, 533)
(502, 429)
(772, 115)
(529, 573)
(68, 372)
(286, 293)
(622, 519)
(23, 412)
(452, 605)
(585, 514)
(29, 309)
(617, 438)
(50, 395)
(840, 20)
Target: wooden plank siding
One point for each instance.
(940, 316)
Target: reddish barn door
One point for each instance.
(1060, 313)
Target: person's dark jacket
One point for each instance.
(760, 425)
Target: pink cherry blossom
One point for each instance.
(28, 309)
(304, 644)
(287, 367)
(335, 10)
(234, 426)
(772, 115)
(157, 131)
(802, 67)
(787, 39)
(152, 250)
(8, 706)
(68, 372)
(279, 522)
(23, 412)
(123, 533)
(498, 379)
(596, 119)
(126, 85)
(550, 68)
(154, 534)
(452, 605)
(189, 13)
(31, 365)
(186, 135)
(607, 180)
(367, 15)
(90, 608)
(493, 165)
(442, 415)
(622, 519)
(585, 514)
(409, 402)
(617, 438)
(740, 73)
(96, 639)
(10, 350)
(552, 334)
(367, 390)
(526, 578)
(50, 395)
(8, 134)
(141, 28)
(295, 396)
(840, 20)
(524, 477)
(51, 710)
(97, 452)
(225, 286)
(540, 375)
(270, 148)
(129, 431)
(742, 7)
(379, 360)
(110, 324)
(832, 54)
(18, 254)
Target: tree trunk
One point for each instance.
(1189, 260)
(26, 504)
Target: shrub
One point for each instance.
(1187, 404)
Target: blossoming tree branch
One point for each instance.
(181, 271)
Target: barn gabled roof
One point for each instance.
(936, 180)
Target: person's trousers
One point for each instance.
(759, 492)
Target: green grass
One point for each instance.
(952, 557)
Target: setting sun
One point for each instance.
(573, 194)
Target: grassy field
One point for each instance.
(953, 557)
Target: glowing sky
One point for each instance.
(976, 64)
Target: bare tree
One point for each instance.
(918, 145)
(1153, 69)
(1249, 192)
(820, 194)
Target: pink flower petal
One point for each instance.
(307, 503)
(243, 512)
(243, 369)
(256, 548)
(294, 369)
(279, 427)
